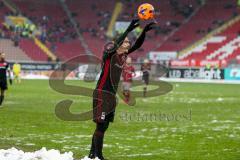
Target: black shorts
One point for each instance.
(145, 79)
(104, 105)
(3, 84)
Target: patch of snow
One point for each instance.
(86, 158)
(220, 99)
(231, 136)
(43, 154)
(214, 121)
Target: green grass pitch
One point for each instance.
(207, 127)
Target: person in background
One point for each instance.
(127, 75)
(4, 69)
(17, 72)
(145, 68)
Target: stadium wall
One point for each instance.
(158, 71)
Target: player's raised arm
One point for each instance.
(141, 38)
(113, 46)
(134, 23)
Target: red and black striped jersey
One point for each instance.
(3, 69)
(112, 67)
(112, 63)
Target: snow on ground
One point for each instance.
(43, 154)
(86, 158)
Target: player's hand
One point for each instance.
(134, 23)
(149, 26)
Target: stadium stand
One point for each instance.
(189, 20)
(32, 50)
(222, 46)
(61, 37)
(204, 21)
(94, 19)
(12, 52)
(3, 11)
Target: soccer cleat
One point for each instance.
(91, 156)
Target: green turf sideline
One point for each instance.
(28, 122)
(200, 80)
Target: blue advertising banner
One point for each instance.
(194, 73)
(232, 74)
(37, 66)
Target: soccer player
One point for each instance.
(3, 76)
(127, 75)
(145, 68)
(17, 72)
(104, 99)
